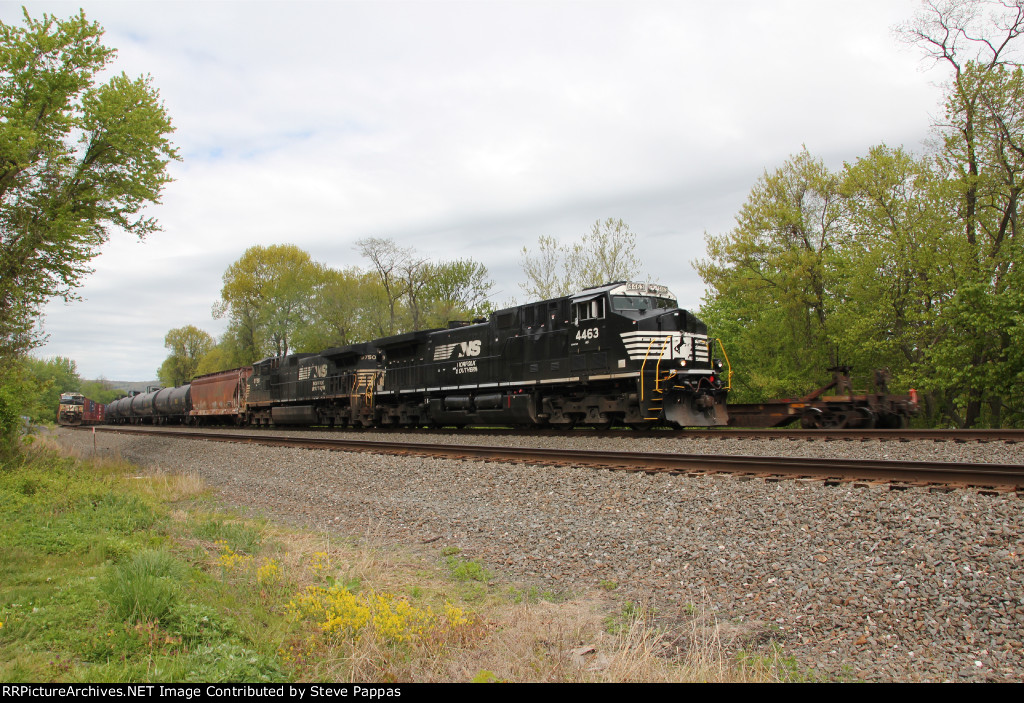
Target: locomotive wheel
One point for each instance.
(601, 426)
(641, 426)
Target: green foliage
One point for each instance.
(413, 293)
(605, 254)
(547, 270)
(228, 354)
(100, 390)
(77, 158)
(61, 512)
(777, 665)
(347, 306)
(10, 418)
(238, 536)
(627, 618)
(455, 290)
(467, 570)
(908, 262)
(46, 379)
(145, 589)
(770, 286)
(266, 295)
(532, 594)
(86, 598)
(188, 346)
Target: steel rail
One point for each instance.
(1010, 436)
(1005, 477)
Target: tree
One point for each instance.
(221, 357)
(456, 290)
(188, 345)
(48, 378)
(267, 295)
(606, 254)
(898, 265)
(100, 390)
(973, 361)
(388, 261)
(773, 273)
(77, 159)
(415, 274)
(344, 310)
(547, 272)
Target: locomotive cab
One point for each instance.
(69, 411)
(637, 330)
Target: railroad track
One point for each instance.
(999, 478)
(1010, 436)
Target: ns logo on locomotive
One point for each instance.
(621, 353)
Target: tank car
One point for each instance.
(172, 405)
(142, 408)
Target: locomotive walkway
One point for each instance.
(899, 474)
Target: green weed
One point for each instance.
(467, 570)
(240, 537)
(147, 588)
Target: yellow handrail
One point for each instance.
(729, 365)
(657, 368)
(644, 365)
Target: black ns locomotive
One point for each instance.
(622, 353)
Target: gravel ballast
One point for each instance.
(859, 582)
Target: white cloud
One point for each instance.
(469, 129)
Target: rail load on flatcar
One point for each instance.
(846, 408)
(76, 409)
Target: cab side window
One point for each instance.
(589, 310)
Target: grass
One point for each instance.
(112, 573)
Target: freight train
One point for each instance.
(622, 353)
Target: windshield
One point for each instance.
(641, 302)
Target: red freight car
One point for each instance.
(219, 397)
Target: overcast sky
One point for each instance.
(470, 129)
